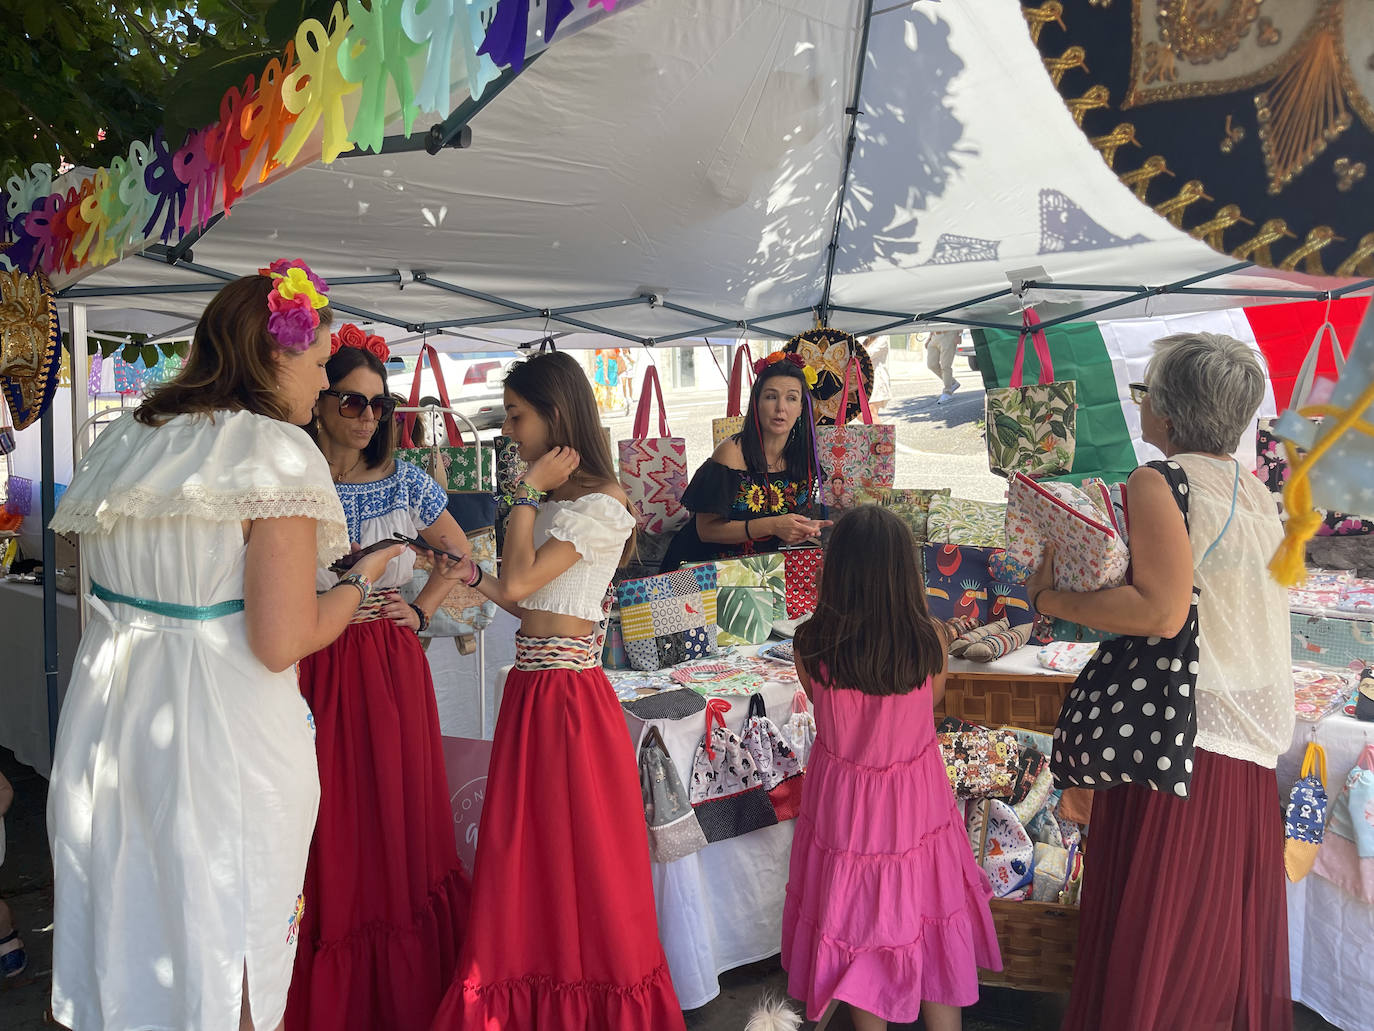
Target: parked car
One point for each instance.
(966, 350)
(473, 382)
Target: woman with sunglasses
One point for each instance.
(386, 895)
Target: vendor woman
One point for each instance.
(761, 488)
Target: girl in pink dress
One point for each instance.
(886, 909)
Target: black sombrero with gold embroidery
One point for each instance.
(30, 345)
(828, 351)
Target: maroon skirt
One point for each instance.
(385, 895)
(1184, 921)
(563, 935)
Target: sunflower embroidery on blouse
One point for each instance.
(753, 497)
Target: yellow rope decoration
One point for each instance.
(1289, 565)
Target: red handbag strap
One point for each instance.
(650, 390)
(716, 709)
(1029, 322)
(455, 437)
(737, 373)
(842, 413)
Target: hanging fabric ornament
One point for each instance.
(1337, 472)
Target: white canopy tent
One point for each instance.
(674, 171)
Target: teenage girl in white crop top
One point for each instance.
(563, 931)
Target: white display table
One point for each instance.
(1330, 933)
(23, 687)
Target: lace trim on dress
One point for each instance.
(331, 534)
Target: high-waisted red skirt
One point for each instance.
(1184, 921)
(562, 934)
(385, 895)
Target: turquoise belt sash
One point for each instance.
(196, 613)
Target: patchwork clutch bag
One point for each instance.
(669, 618)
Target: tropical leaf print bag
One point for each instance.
(1030, 429)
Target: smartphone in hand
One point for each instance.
(347, 562)
(424, 545)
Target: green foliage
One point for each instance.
(69, 69)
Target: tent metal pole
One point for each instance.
(832, 251)
(48, 504)
(995, 295)
(476, 295)
(791, 313)
(1308, 295)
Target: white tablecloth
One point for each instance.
(1330, 933)
(23, 686)
(722, 907)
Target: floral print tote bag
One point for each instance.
(858, 463)
(1030, 429)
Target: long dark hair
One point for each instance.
(556, 387)
(233, 360)
(800, 449)
(871, 631)
(344, 362)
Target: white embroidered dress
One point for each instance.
(184, 790)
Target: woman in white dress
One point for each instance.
(184, 790)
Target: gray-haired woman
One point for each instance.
(1184, 921)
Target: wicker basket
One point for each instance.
(1038, 941)
(997, 700)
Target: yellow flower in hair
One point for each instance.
(295, 283)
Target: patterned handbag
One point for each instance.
(959, 585)
(1304, 820)
(802, 577)
(981, 763)
(981, 524)
(457, 467)
(509, 468)
(726, 426)
(1089, 551)
(775, 759)
(727, 789)
(858, 463)
(674, 832)
(1131, 716)
(1030, 429)
(800, 728)
(653, 470)
(912, 505)
(751, 595)
(464, 610)
(669, 618)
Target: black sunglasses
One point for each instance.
(351, 404)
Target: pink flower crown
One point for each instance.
(296, 298)
(785, 356)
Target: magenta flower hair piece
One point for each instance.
(295, 300)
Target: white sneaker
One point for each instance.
(952, 388)
(942, 398)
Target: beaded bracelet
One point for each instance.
(361, 582)
(520, 494)
(420, 615)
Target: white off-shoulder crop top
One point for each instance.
(597, 525)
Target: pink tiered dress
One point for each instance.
(885, 904)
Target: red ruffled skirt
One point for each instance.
(563, 935)
(386, 898)
(1184, 921)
